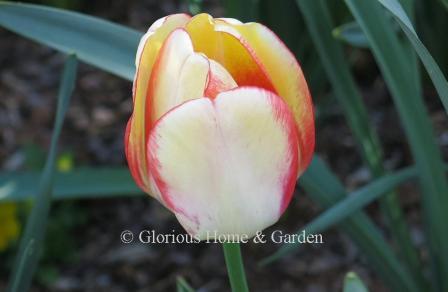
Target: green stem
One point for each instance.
(235, 268)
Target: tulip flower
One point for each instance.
(222, 124)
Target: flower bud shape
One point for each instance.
(222, 124)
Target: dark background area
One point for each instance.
(84, 251)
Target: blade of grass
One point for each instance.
(31, 241)
(235, 268)
(392, 62)
(182, 285)
(319, 22)
(431, 66)
(325, 189)
(98, 42)
(76, 184)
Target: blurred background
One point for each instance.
(83, 251)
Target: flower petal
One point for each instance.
(229, 51)
(219, 80)
(227, 165)
(285, 73)
(180, 74)
(137, 130)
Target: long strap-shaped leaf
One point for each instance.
(183, 286)
(431, 66)
(325, 189)
(76, 184)
(98, 42)
(31, 242)
(318, 20)
(115, 182)
(356, 201)
(389, 55)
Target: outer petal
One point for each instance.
(137, 130)
(223, 47)
(227, 165)
(285, 73)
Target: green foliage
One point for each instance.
(352, 283)
(61, 244)
(76, 184)
(431, 66)
(245, 11)
(319, 23)
(326, 190)
(431, 19)
(194, 6)
(100, 43)
(352, 34)
(32, 239)
(394, 65)
(182, 285)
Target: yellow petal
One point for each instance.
(229, 51)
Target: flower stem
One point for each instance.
(235, 268)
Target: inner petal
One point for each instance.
(229, 51)
(180, 74)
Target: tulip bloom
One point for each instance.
(222, 124)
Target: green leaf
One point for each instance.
(445, 3)
(352, 283)
(98, 42)
(31, 241)
(325, 189)
(431, 66)
(76, 184)
(194, 6)
(351, 34)
(357, 200)
(182, 285)
(246, 10)
(319, 22)
(394, 64)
